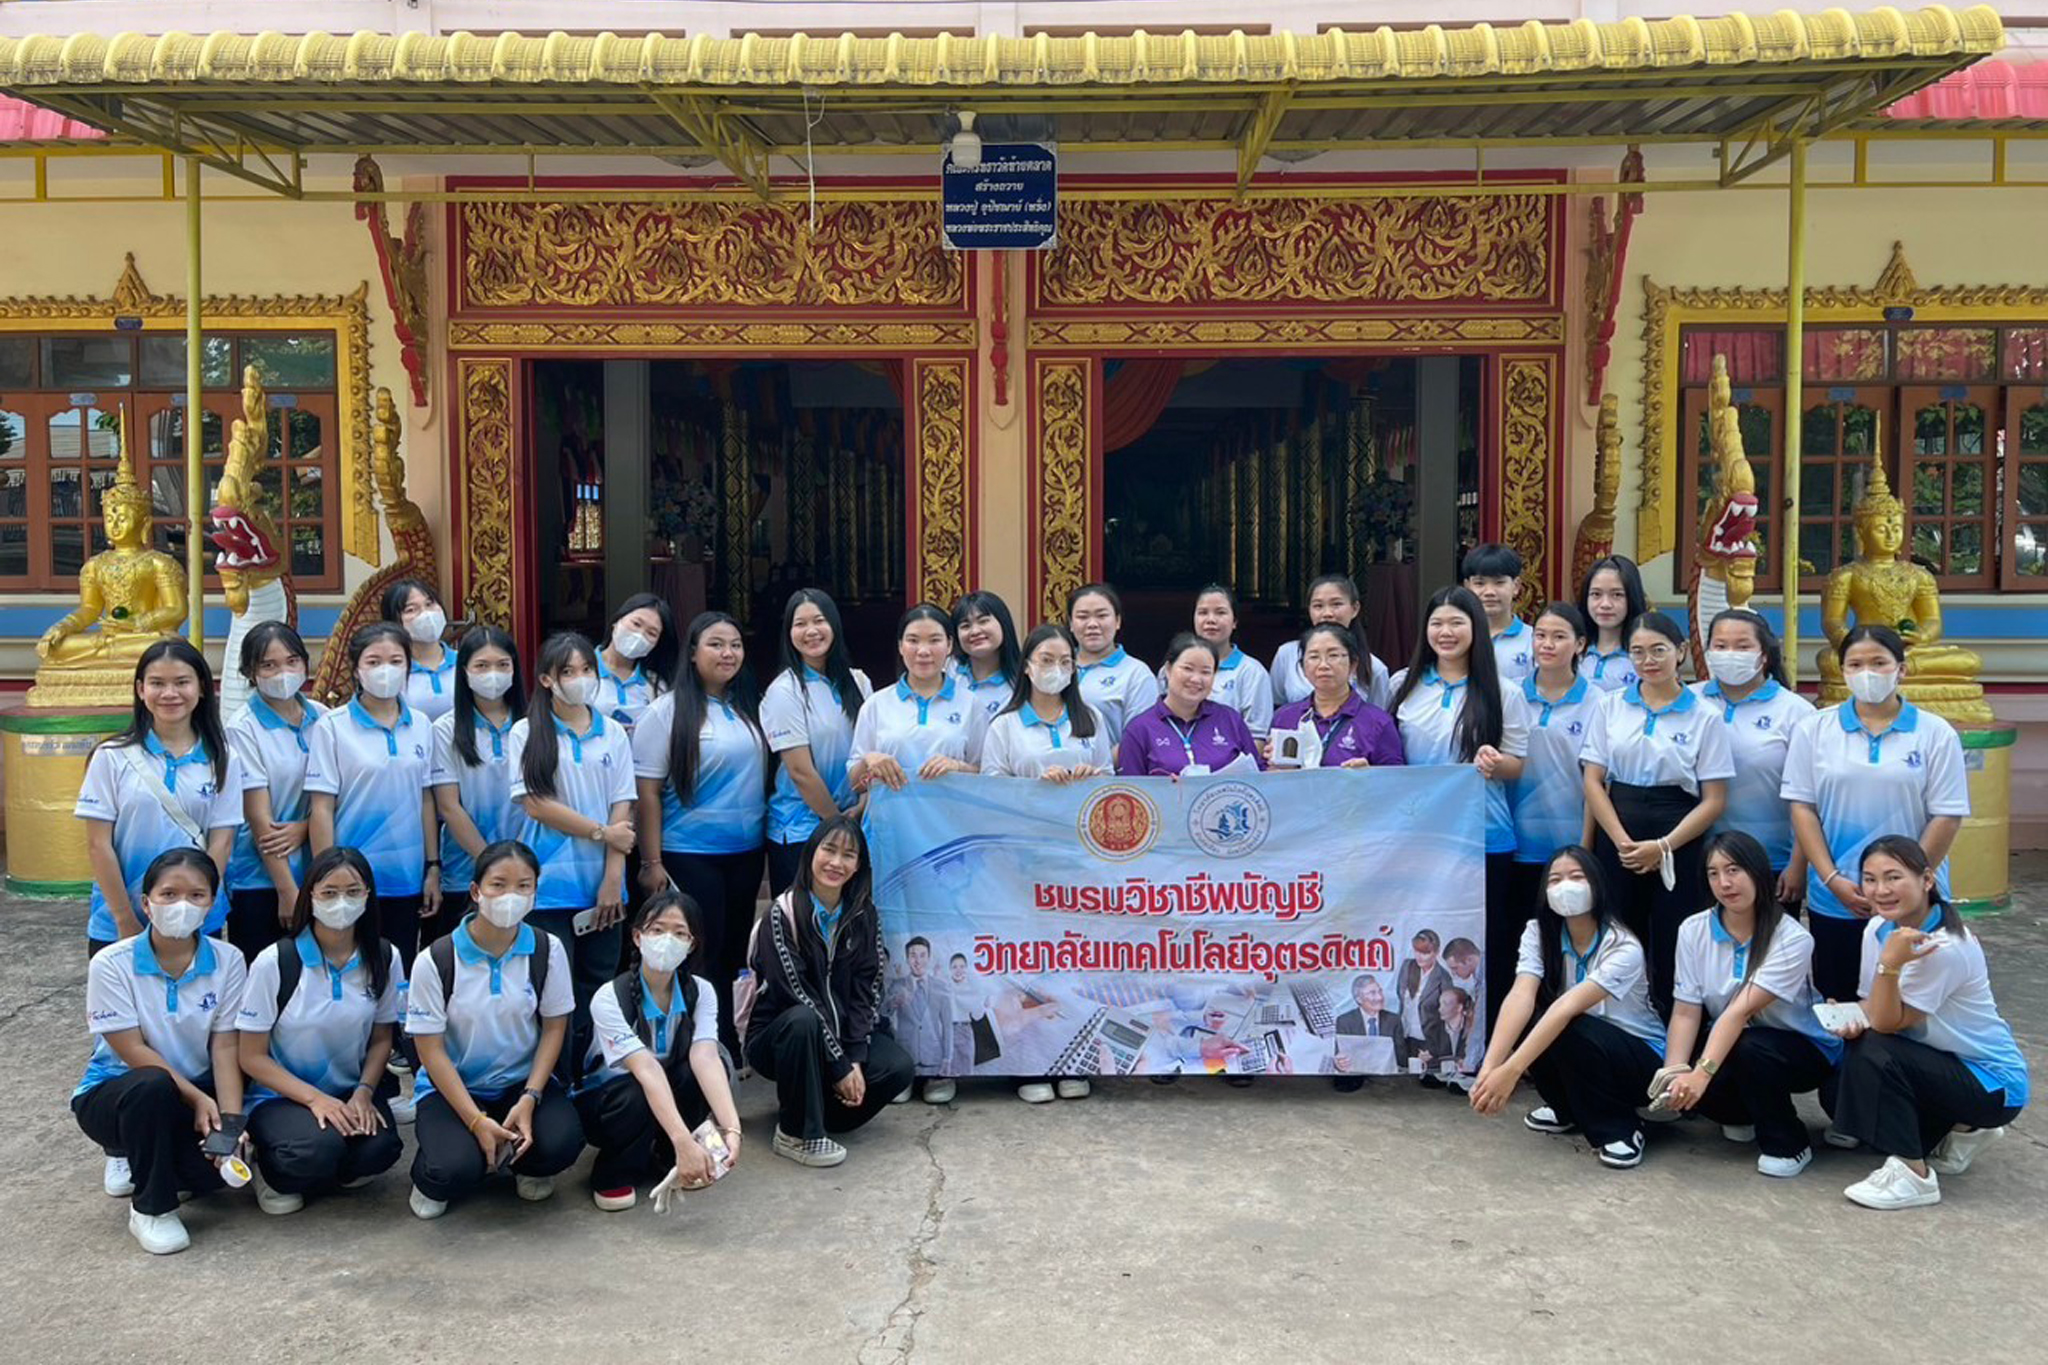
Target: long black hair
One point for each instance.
(369, 928)
(205, 713)
(661, 661)
(855, 895)
(258, 641)
(1571, 616)
(1632, 594)
(1905, 850)
(1550, 924)
(1480, 722)
(1743, 850)
(838, 669)
(1009, 658)
(1080, 716)
(692, 704)
(1766, 638)
(463, 729)
(924, 611)
(185, 855)
(543, 754)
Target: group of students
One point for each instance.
(448, 852)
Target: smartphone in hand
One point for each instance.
(223, 1141)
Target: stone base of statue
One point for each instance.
(91, 668)
(1956, 697)
(44, 752)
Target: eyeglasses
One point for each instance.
(1655, 654)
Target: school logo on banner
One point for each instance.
(1119, 823)
(1230, 820)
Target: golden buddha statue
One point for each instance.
(1882, 587)
(134, 593)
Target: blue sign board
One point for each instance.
(1007, 203)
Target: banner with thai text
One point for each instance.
(1326, 922)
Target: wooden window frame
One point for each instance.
(2012, 459)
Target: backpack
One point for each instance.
(746, 988)
(443, 954)
(290, 967)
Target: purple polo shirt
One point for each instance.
(1358, 730)
(1156, 743)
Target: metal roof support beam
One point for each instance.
(718, 133)
(229, 157)
(1258, 132)
(1822, 113)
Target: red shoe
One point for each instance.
(613, 1201)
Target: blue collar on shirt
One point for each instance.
(1721, 935)
(370, 722)
(619, 684)
(1516, 625)
(1908, 721)
(203, 963)
(1027, 717)
(1109, 660)
(267, 717)
(313, 959)
(966, 671)
(194, 757)
(924, 704)
(1236, 658)
(1769, 690)
(1682, 703)
(1933, 922)
(466, 948)
(497, 733)
(828, 921)
(1593, 653)
(576, 740)
(436, 672)
(655, 1015)
(1581, 962)
(1451, 689)
(1573, 695)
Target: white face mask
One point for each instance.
(384, 681)
(664, 952)
(281, 686)
(428, 625)
(576, 691)
(1871, 687)
(179, 919)
(1571, 899)
(489, 686)
(1053, 679)
(1734, 667)
(632, 644)
(339, 912)
(505, 911)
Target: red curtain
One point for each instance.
(1133, 398)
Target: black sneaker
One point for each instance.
(1623, 1153)
(1544, 1119)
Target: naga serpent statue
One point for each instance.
(1595, 538)
(243, 529)
(1724, 558)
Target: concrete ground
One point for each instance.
(1279, 1223)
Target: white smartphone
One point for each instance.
(1834, 1017)
(584, 922)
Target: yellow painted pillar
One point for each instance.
(1795, 382)
(195, 420)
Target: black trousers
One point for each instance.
(1757, 1082)
(1902, 1097)
(141, 1115)
(1595, 1075)
(1837, 956)
(593, 962)
(400, 918)
(726, 887)
(1652, 913)
(783, 860)
(298, 1156)
(450, 1164)
(618, 1121)
(252, 920)
(790, 1050)
(1508, 907)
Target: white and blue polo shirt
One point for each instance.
(1549, 798)
(377, 776)
(1514, 652)
(625, 699)
(593, 773)
(142, 828)
(1615, 963)
(728, 810)
(125, 989)
(910, 729)
(492, 1025)
(1119, 688)
(807, 715)
(1709, 966)
(1609, 672)
(1760, 730)
(1863, 786)
(1021, 744)
(613, 1038)
(986, 698)
(1678, 744)
(1429, 735)
(273, 753)
(1951, 986)
(324, 1032)
(485, 792)
(431, 691)
(1291, 685)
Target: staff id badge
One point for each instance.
(1195, 770)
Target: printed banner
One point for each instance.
(1326, 922)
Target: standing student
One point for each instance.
(1351, 732)
(654, 1070)
(919, 727)
(1185, 732)
(702, 765)
(170, 779)
(369, 785)
(637, 659)
(270, 737)
(1452, 708)
(1657, 767)
(472, 771)
(415, 608)
(807, 715)
(1875, 764)
(988, 660)
(1745, 967)
(1610, 597)
(1549, 798)
(1578, 1021)
(161, 1007)
(1748, 689)
(316, 1027)
(1493, 574)
(489, 1008)
(572, 773)
(817, 956)
(1332, 600)
(1116, 685)
(1242, 682)
(1936, 1076)
(1046, 730)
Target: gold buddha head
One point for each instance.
(125, 507)
(1880, 517)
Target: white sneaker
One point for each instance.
(404, 1108)
(276, 1203)
(423, 1207)
(1895, 1186)
(1036, 1092)
(1074, 1088)
(615, 1201)
(1958, 1150)
(940, 1091)
(534, 1188)
(1784, 1167)
(903, 1096)
(159, 1233)
(1544, 1119)
(1835, 1137)
(814, 1152)
(1739, 1132)
(1623, 1153)
(118, 1181)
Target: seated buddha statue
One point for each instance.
(134, 595)
(1882, 587)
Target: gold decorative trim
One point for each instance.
(715, 336)
(1060, 481)
(1666, 310)
(942, 482)
(1528, 407)
(487, 514)
(1294, 334)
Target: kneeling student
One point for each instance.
(490, 1007)
(1597, 1042)
(645, 1087)
(316, 1027)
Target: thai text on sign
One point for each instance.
(1007, 202)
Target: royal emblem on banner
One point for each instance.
(1119, 823)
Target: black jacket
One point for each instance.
(843, 985)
